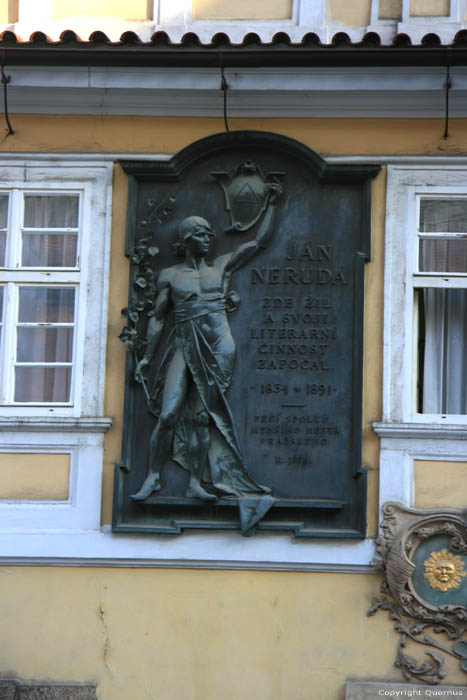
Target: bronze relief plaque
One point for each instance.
(244, 339)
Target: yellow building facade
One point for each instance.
(206, 615)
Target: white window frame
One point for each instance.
(417, 26)
(78, 429)
(456, 13)
(305, 16)
(407, 436)
(405, 186)
(444, 26)
(14, 276)
(93, 182)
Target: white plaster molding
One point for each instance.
(328, 79)
(406, 435)
(94, 179)
(456, 13)
(112, 156)
(446, 30)
(355, 34)
(175, 17)
(61, 424)
(81, 510)
(174, 12)
(304, 92)
(386, 28)
(403, 184)
(33, 11)
(399, 450)
(221, 550)
(445, 27)
(113, 28)
(427, 431)
(79, 429)
(395, 475)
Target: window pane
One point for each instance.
(42, 384)
(3, 226)
(442, 351)
(443, 255)
(45, 344)
(46, 304)
(55, 250)
(4, 210)
(2, 248)
(1, 310)
(51, 211)
(444, 215)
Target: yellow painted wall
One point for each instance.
(203, 635)
(429, 8)
(194, 635)
(390, 9)
(96, 134)
(135, 10)
(353, 14)
(438, 484)
(3, 11)
(242, 9)
(8, 11)
(34, 477)
(326, 136)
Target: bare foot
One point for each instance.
(150, 484)
(195, 490)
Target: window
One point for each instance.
(53, 276)
(440, 283)
(425, 377)
(54, 259)
(425, 323)
(39, 241)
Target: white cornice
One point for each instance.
(252, 92)
(53, 424)
(426, 431)
(199, 550)
(84, 159)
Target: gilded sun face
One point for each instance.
(444, 570)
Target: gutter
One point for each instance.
(130, 51)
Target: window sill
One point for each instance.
(388, 429)
(47, 424)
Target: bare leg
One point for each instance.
(174, 397)
(199, 451)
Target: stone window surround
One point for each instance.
(407, 436)
(77, 429)
(418, 26)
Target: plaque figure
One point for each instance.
(195, 426)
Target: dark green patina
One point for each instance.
(294, 393)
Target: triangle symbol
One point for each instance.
(246, 194)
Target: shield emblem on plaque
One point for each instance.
(246, 194)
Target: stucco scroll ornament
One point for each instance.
(422, 558)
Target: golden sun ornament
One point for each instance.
(444, 570)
